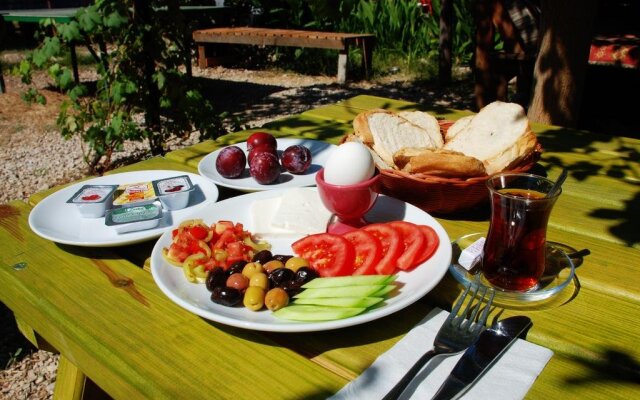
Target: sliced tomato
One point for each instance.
(431, 243)
(198, 232)
(413, 240)
(392, 246)
(329, 255)
(368, 250)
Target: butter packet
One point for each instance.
(134, 218)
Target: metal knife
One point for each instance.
(478, 358)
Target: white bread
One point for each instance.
(457, 127)
(499, 136)
(427, 122)
(387, 132)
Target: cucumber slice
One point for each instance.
(365, 302)
(316, 313)
(345, 291)
(383, 291)
(357, 280)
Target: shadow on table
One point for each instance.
(613, 366)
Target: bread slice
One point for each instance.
(427, 122)
(499, 136)
(457, 127)
(386, 132)
(438, 162)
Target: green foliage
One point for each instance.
(404, 33)
(141, 92)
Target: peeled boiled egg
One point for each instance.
(348, 164)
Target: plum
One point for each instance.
(264, 168)
(259, 138)
(261, 148)
(296, 159)
(231, 161)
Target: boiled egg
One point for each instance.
(348, 164)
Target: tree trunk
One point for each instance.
(561, 66)
(445, 43)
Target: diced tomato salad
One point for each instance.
(220, 244)
(380, 248)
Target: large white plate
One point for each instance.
(54, 219)
(194, 297)
(319, 153)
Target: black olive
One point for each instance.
(216, 277)
(304, 275)
(227, 296)
(263, 257)
(291, 287)
(279, 276)
(282, 257)
(236, 267)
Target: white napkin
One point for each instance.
(510, 378)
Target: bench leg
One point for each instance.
(342, 65)
(2, 87)
(71, 383)
(202, 56)
(367, 57)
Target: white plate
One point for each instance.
(196, 298)
(319, 153)
(54, 219)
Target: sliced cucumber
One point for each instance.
(383, 291)
(305, 312)
(345, 291)
(365, 302)
(357, 280)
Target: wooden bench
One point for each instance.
(291, 38)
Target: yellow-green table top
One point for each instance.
(105, 314)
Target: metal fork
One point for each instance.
(456, 334)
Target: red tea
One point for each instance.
(514, 252)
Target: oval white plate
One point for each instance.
(54, 219)
(319, 153)
(196, 298)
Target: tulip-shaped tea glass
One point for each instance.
(514, 251)
(349, 203)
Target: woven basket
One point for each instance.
(439, 195)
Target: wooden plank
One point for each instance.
(69, 381)
(52, 294)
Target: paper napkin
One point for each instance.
(510, 378)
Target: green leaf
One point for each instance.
(69, 32)
(115, 20)
(65, 79)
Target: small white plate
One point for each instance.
(319, 153)
(55, 219)
(195, 298)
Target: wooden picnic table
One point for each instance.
(101, 309)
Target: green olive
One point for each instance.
(259, 279)
(253, 298)
(251, 268)
(276, 298)
(273, 265)
(295, 263)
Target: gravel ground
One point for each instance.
(35, 157)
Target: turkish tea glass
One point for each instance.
(514, 251)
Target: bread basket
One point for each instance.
(440, 195)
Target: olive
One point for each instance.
(304, 275)
(291, 287)
(236, 267)
(276, 298)
(216, 277)
(254, 298)
(251, 268)
(273, 265)
(226, 296)
(295, 263)
(238, 281)
(280, 276)
(259, 279)
(263, 256)
(282, 257)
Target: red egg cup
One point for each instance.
(349, 203)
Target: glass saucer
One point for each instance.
(558, 275)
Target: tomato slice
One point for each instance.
(198, 232)
(413, 240)
(392, 246)
(368, 251)
(431, 243)
(329, 255)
